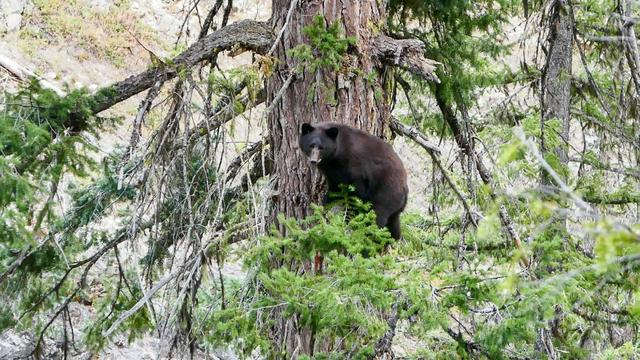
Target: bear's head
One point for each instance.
(319, 142)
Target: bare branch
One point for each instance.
(249, 34)
(234, 167)
(225, 114)
(607, 39)
(292, 6)
(149, 295)
(415, 135)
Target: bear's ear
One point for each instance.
(306, 128)
(332, 132)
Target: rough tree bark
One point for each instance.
(356, 103)
(555, 99)
(556, 80)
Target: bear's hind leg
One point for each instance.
(384, 219)
(393, 224)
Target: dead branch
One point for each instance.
(234, 167)
(252, 35)
(224, 115)
(150, 294)
(415, 135)
(262, 166)
(433, 151)
(292, 6)
(405, 53)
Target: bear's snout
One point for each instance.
(314, 156)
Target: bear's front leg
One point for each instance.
(362, 189)
(331, 188)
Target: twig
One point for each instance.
(146, 298)
(279, 94)
(284, 27)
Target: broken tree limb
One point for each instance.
(247, 34)
(407, 54)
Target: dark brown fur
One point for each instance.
(352, 157)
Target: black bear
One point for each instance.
(352, 157)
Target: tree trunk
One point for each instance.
(556, 82)
(324, 95)
(342, 96)
(555, 98)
